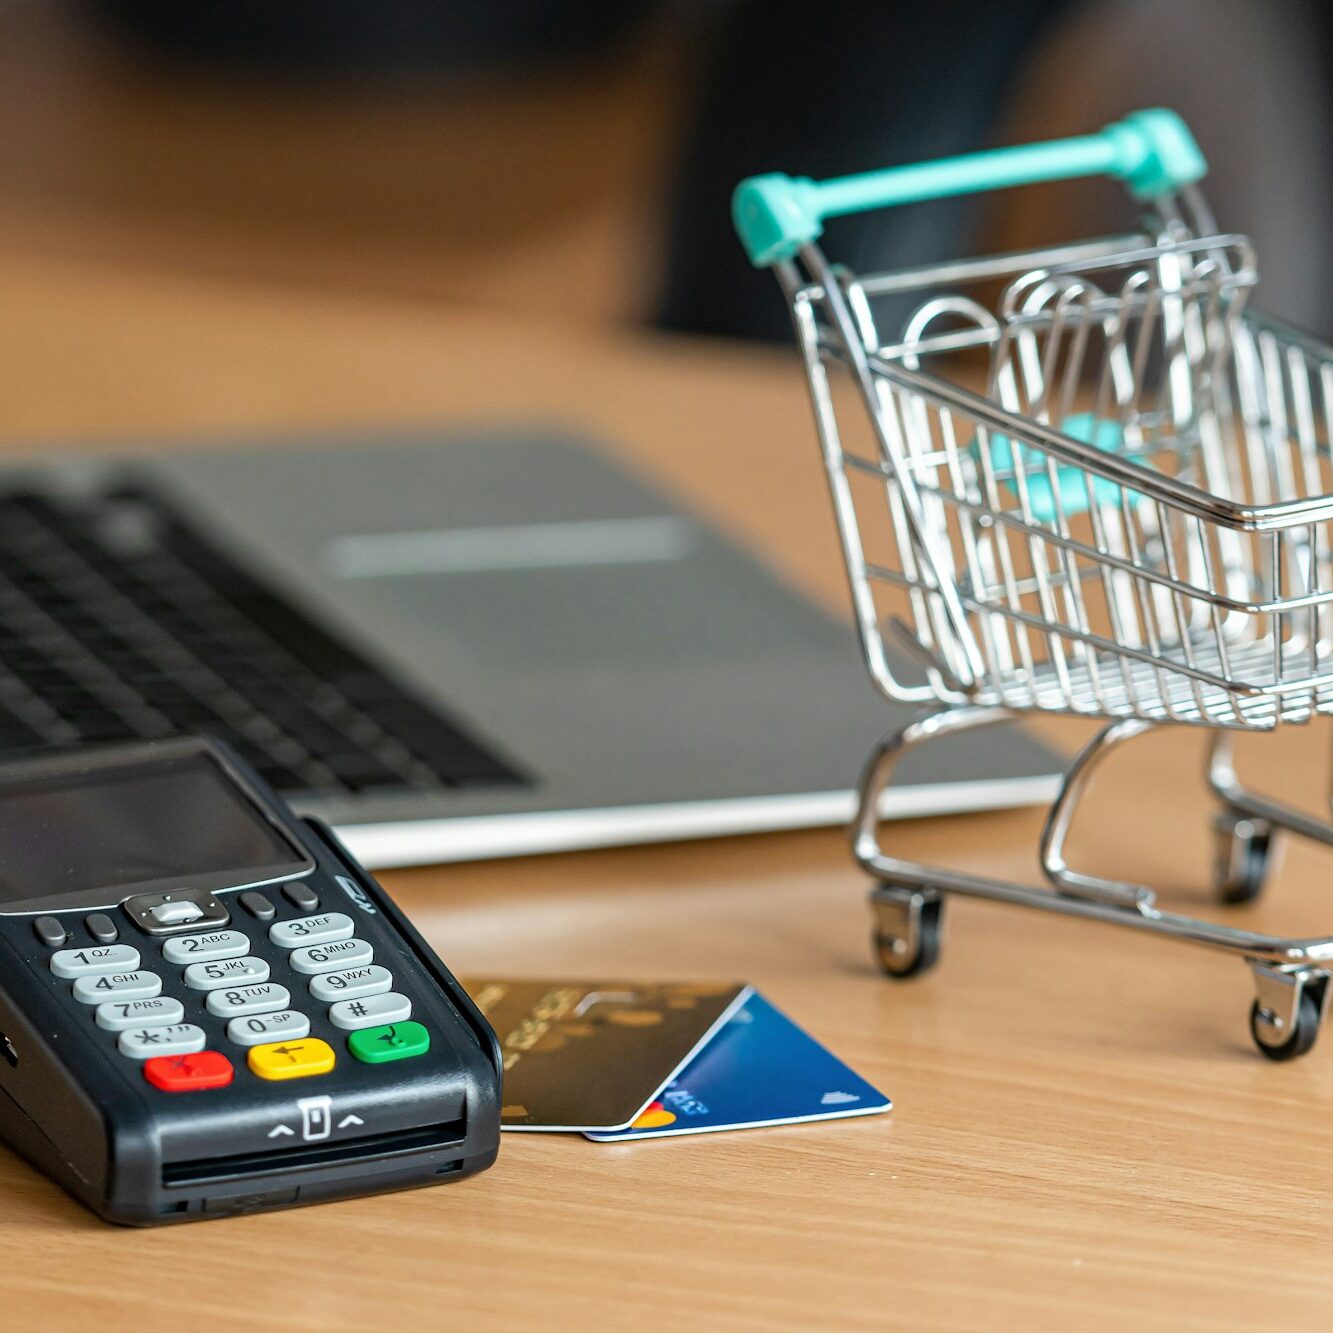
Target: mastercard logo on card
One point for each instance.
(655, 1117)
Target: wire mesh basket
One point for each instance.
(1082, 480)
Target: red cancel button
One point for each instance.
(188, 1073)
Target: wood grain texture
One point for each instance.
(1082, 1136)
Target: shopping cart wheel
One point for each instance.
(1244, 850)
(1293, 1042)
(907, 930)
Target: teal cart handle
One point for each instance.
(1152, 152)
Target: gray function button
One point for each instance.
(247, 1000)
(101, 927)
(207, 948)
(180, 913)
(227, 972)
(258, 906)
(330, 957)
(370, 1012)
(285, 1025)
(301, 895)
(49, 930)
(181, 909)
(71, 963)
(351, 984)
(175, 1039)
(117, 986)
(117, 1015)
(322, 929)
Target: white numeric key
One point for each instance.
(71, 963)
(117, 986)
(351, 984)
(285, 1025)
(340, 954)
(247, 1000)
(117, 1015)
(206, 948)
(320, 929)
(229, 972)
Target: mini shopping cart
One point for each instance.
(1083, 480)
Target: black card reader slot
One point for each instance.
(380, 1147)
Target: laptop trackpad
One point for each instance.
(616, 646)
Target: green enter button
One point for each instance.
(392, 1041)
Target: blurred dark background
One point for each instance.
(572, 159)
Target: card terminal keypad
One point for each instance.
(218, 974)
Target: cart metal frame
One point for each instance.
(1163, 559)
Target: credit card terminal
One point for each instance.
(206, 1007)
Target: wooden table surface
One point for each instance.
(1082, 1136)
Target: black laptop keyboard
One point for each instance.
(120, 621)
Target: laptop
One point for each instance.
(449, 647)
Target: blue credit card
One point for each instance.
(760, 1069)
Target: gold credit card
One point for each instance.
(593, 1054)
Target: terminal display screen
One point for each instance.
(119, 826)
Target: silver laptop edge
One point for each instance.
(429, 841)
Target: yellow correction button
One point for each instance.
(291, 1059)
